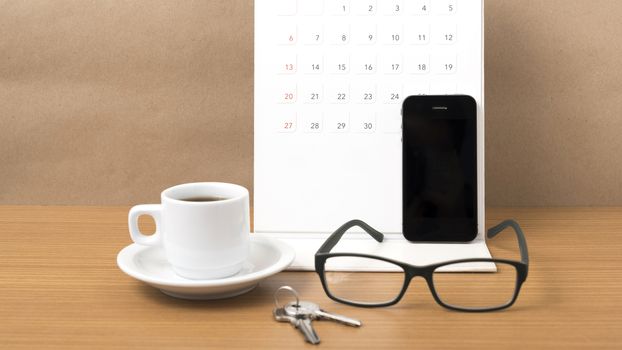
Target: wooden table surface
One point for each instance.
(60, 288)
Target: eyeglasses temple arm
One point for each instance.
(334, 238)
(522, 242)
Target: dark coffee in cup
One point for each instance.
(203, 199)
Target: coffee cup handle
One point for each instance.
(153, 210)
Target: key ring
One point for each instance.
(286, 288)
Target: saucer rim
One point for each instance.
(126, 264)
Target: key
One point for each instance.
(313, 311)
(300, 322)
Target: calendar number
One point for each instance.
(286, 34)
(286, 123)
(391, 63)
(448, 8)
(338, 123)
(287, 64)
(446, 34)
(339, 7)
(342, 67)
(446, 64)
(364, 33)
(313, 34)
(391, 7)
(364, 122)
(392, 34)
(312, 122)
(419, 64)
(338, 93)
(312, 92)
(287, 93)
(364, 93)
(338, 33)
(312, 63)
(420, 33)
(420, 7)
(362, 7)
(390, 93)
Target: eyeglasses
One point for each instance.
(461, 291)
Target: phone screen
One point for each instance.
(439, 168)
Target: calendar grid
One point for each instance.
(330, 77)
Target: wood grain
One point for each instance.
(60, 288)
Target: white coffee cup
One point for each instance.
(202, 239)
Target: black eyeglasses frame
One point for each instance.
(425, 271)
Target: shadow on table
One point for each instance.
(260, 295)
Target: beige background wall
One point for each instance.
(108, 102)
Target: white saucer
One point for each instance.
(148, 264)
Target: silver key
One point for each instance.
(314, 312)
(300, 322)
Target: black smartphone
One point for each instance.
(439, 168)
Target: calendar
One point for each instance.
(330, 78)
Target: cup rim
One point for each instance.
(166, 193)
